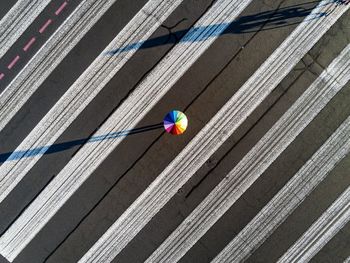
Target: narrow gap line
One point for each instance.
(152, 67)
(133, 164)
(130, 132)
(103, 197)
(25, 207)
(244, 135)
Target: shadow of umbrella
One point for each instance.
(49, 149)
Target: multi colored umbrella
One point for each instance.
(175, 122)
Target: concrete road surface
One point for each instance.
(200, 60)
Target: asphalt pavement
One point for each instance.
(73, 190)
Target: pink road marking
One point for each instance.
(14, 61)
(59, 10)
(2, 75)
(28, 45)
(42, 29)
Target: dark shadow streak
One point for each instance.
(148, 148)
(10, 156)
(286, 16)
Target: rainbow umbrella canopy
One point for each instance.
(175, 122)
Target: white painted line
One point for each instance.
(323, 230)
(46, 59)
(82, 91)
(347, 260)
(288, 198)
(257, 160)
(148, 93)
(138, 30)
(207, 141)
(17, 20)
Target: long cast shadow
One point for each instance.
(49, 149)
(286, 16)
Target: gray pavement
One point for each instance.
(140, 158)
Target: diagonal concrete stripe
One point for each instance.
(323, 230)
(288, 198)
(17, 20)
(211, 137)
(257, 160)
(148, 93)
(49, 56)
(82, 91)
(146, 21)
